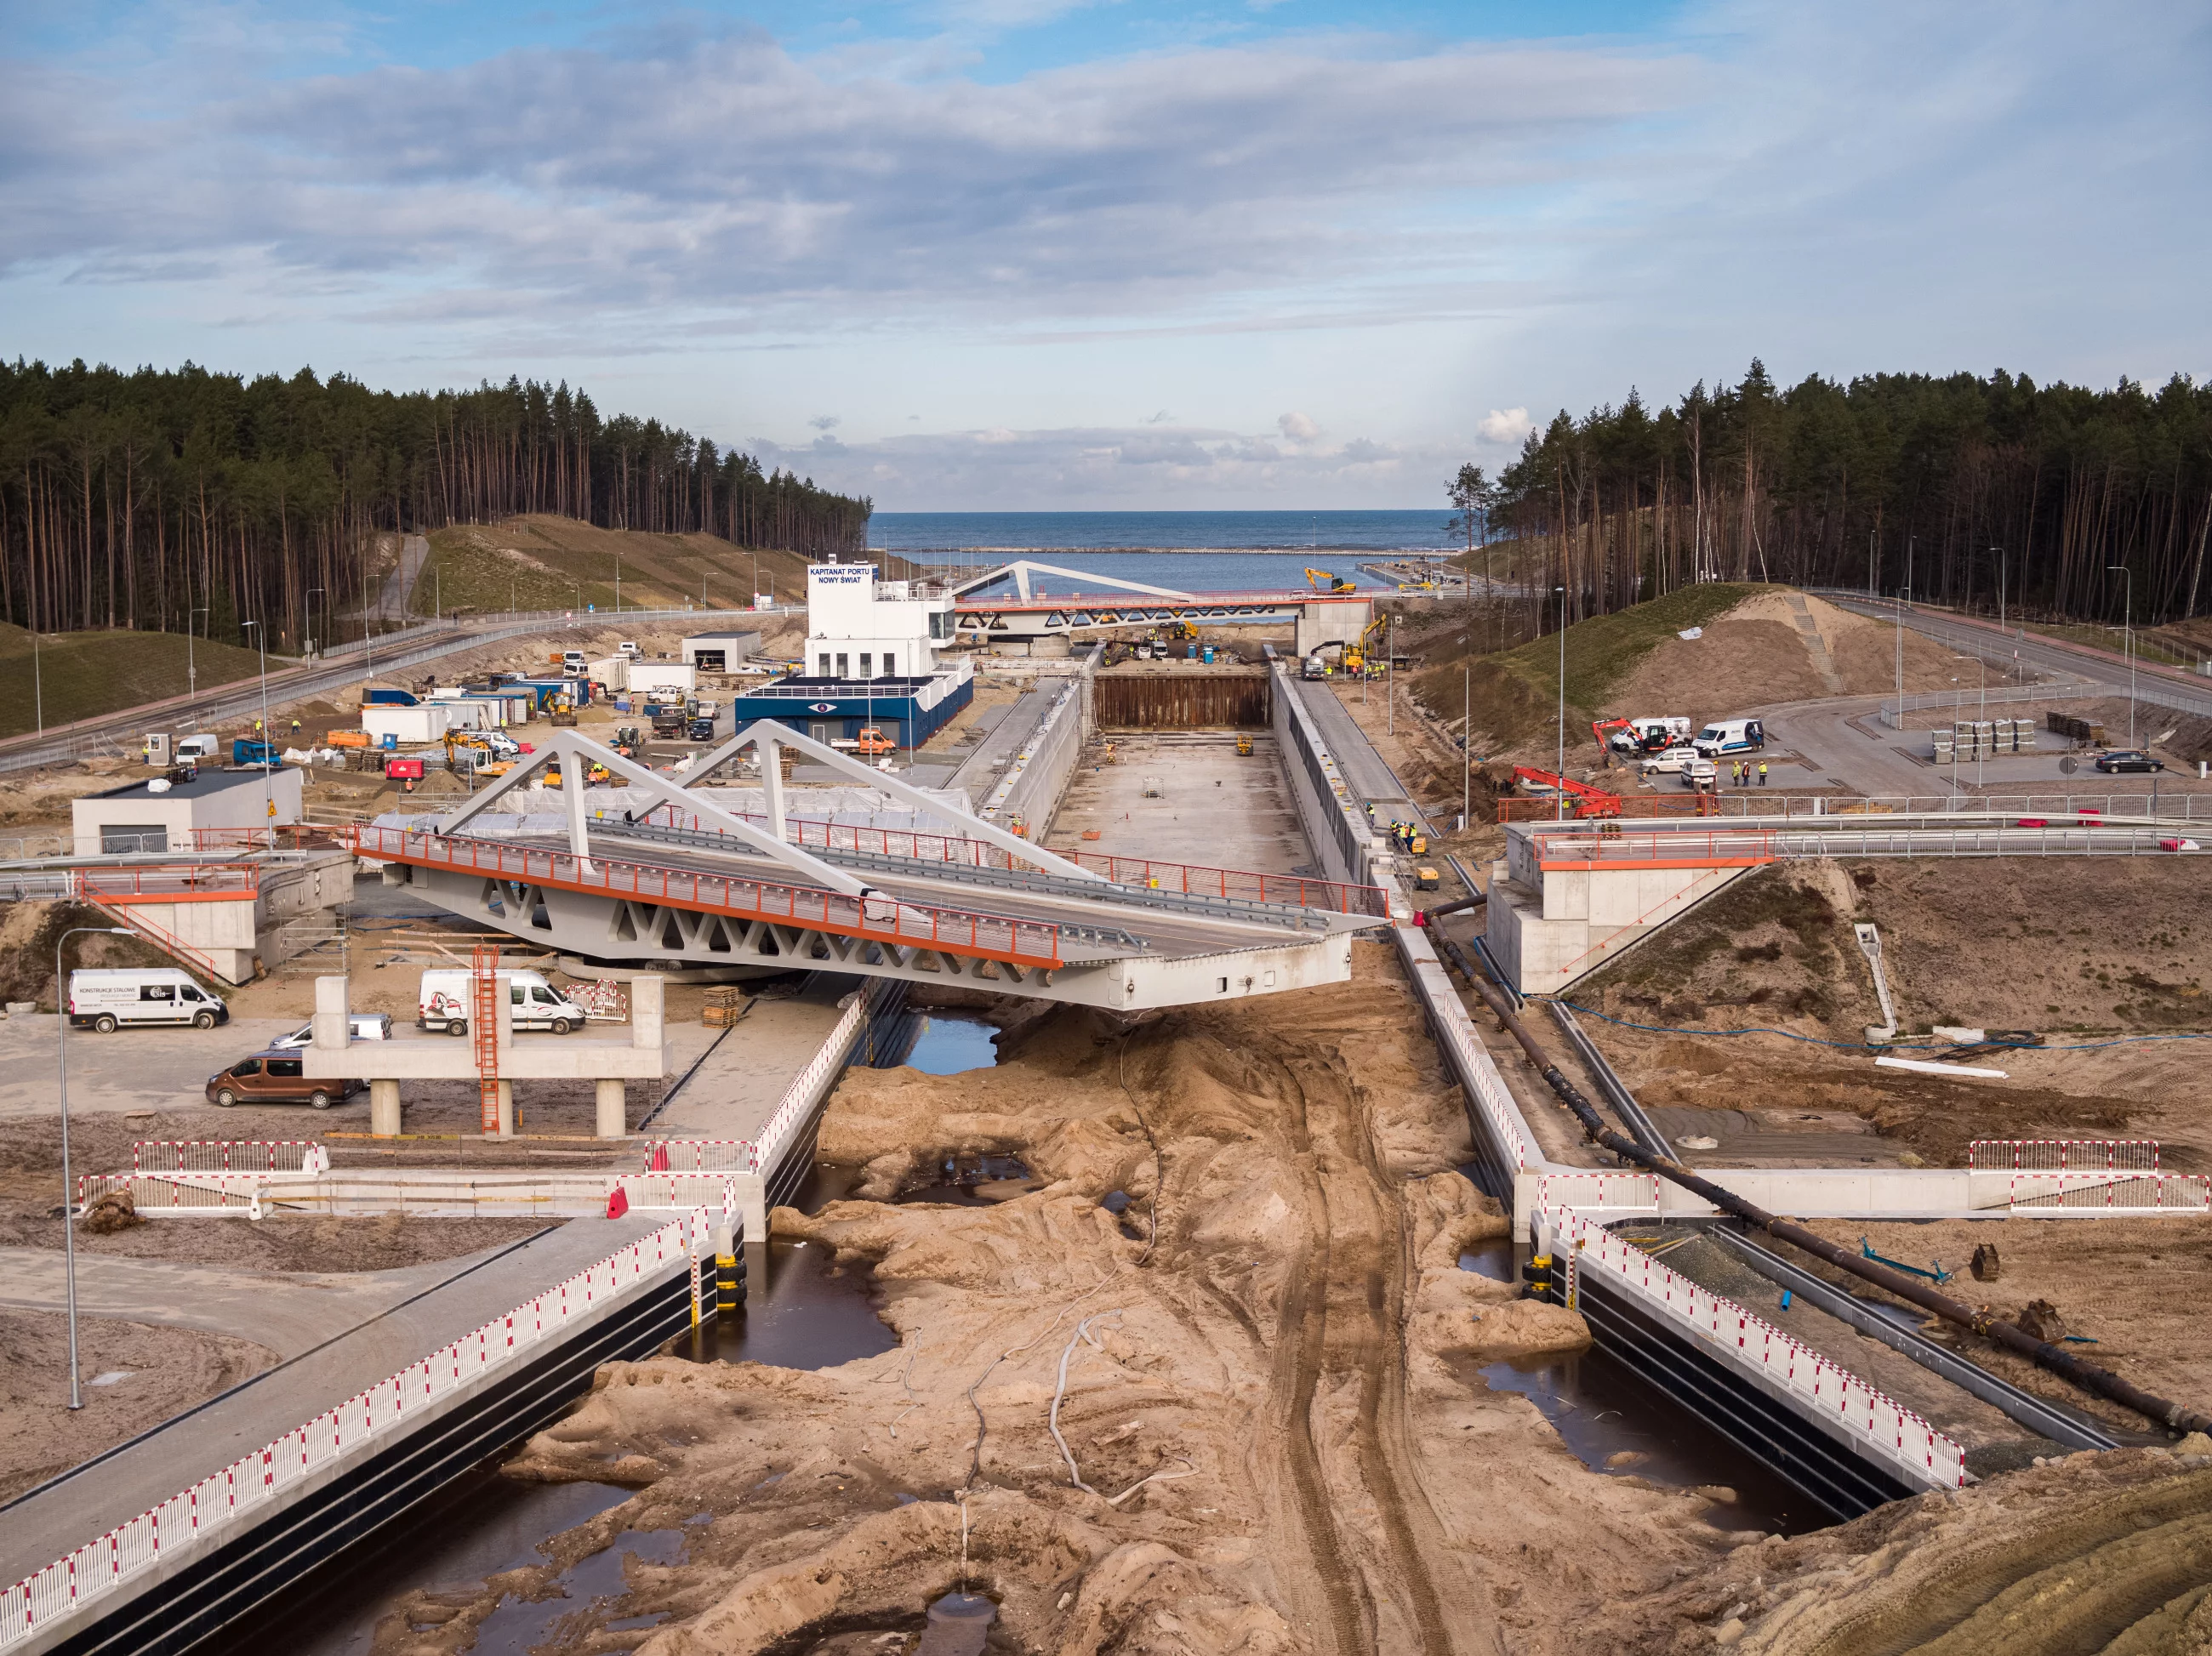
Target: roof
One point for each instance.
(734, 632)
(208, 781)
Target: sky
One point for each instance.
(1100, 254)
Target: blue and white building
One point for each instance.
(872, 648)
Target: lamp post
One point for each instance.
(268, 795)
(1559, 811)
(2129, 637)
(68, 1186)
(310, 608)
(191, 673)
(1465, 731)
(38, 684)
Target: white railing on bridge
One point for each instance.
(1885, 1429)
(227, 1500)
(2109, 1192)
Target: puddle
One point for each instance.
(947, 1044)
(1600, 1410)
(476, 1525)
(519, 1625)
(1494, 1258)
(975, 1181)
(800, 1312)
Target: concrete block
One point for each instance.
(609, 1094)
(332, 1022)
(751, 1190)
(647, 1009)
(506, 1109)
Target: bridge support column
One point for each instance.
(506, 1109)
(613, 1121)
(383, 1120)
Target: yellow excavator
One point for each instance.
(1323, 581)
(1360, 657)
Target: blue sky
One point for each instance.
(1022, 254)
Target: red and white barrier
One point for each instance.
(2062, 1156)
(237, 1493)
(303, 1155)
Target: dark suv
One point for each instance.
(276, 1077)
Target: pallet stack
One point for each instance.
(2081, 730)
(726, 1003)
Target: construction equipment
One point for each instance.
(1588, 801)
(1243, 747)
(1323, 581)
(626, 741)
(873, 744)
(1359, 657)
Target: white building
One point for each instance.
(157, 815)
(860, 627)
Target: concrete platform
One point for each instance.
(1214, 810)
(744, 1074)
(89, 1501)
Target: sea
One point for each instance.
(1192, 551)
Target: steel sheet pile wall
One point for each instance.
(1181, 701)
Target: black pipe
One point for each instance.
(1443, 909)
(2102, 1382)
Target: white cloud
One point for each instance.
(1298, 428)
(1509, 426)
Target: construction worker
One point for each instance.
(1762, 773)
(295, 730)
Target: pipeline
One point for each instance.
(2100, 1382)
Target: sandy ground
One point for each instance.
(135, 1375)
(1272, 1395)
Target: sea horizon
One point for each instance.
(1407, 529)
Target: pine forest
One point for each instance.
(140, 500)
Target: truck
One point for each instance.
(1317, 666)
(446, 997)
(668, 720)
(245, 750)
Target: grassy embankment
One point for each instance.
(1515, 693)
(83, 675)
(543, 562)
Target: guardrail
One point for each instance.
(1885, 1428)
(1187, 879)
(2109, 1192)
(306, 1155)
(874, 917)
(2062, 1156)
(202, 1195)
(808, 1085)
(227, 1499)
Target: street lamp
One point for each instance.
(310, 609)
(38, 683)
(268, 795)
(191, 673)
(68, 1186)
(2129, 636)
(1560, 811)
(1979, 759)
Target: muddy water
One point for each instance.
(518, 1625)
(1617, 1423)
(948, 1044)
(477, 1526)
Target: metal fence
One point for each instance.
(2062, 1156)
(306, 1155)
(2109, 1192)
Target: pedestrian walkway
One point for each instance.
(743, 1076)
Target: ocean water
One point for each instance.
(915, 533)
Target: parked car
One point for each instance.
(1669, 760)
(367, 1026)
(277, 1077)
(1729, 736)
(446, 996)
(106, 998)
(1702, 775)
(2127, 759)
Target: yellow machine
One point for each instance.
(1243, 747)
(1359, 657)
(1322, 581)
(1177, 630)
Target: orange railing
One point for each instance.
(167, 883)
(1684, 848)
(1143, 873)
(1545, 810)
(876, 916)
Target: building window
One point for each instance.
(867, 663)
(843, 671)
(891, 665)
(826, 664)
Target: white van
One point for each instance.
(105, 999)
(446, 997)
(201, 748)
(1730, 736)
(367, 1026)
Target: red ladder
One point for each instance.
(484, 1025)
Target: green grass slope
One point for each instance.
(543, 562)
(1515, 693)
(82, 674)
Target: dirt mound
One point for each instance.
(1240, 1416)
(2094, 1552)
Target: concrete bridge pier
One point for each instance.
(384, 1109)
